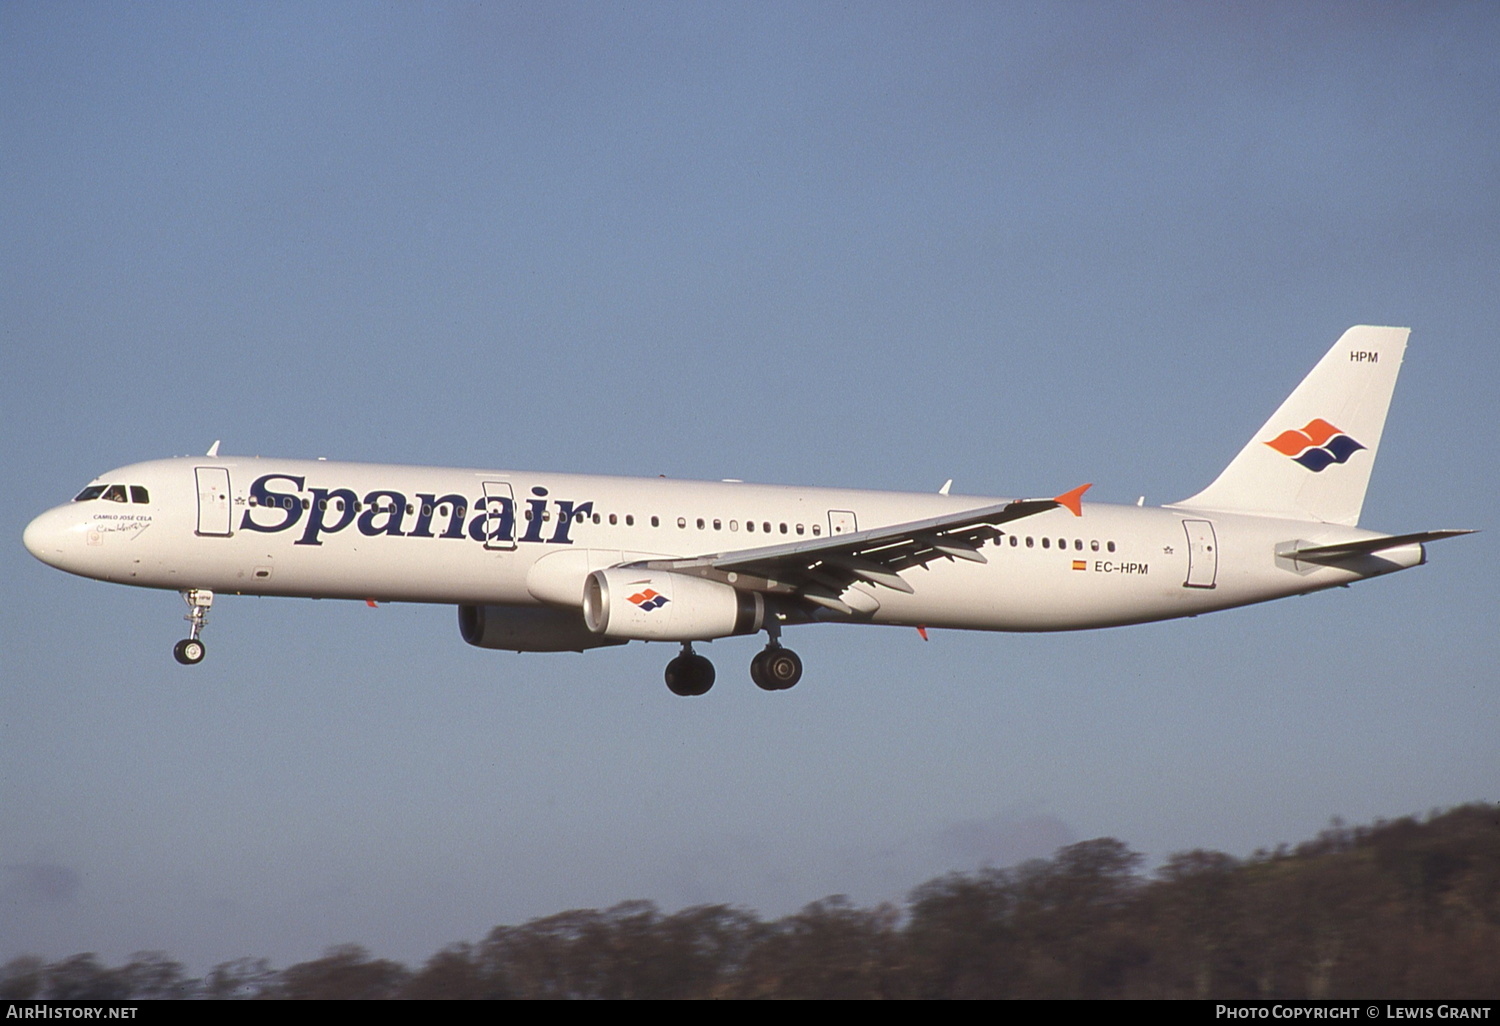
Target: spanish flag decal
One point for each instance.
(1080, 564)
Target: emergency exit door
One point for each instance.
(1203, 554)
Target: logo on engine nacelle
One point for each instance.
(649, 599)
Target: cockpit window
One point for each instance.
(114, 493)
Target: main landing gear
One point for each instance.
(773, 669)
(190, 651)
(690, 673)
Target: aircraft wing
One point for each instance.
(821, 569)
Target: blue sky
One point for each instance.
(1021, 246)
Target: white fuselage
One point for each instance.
(323, 529)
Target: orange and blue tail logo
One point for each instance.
(649, 599)
(1316, 446)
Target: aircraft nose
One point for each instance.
(45, 538)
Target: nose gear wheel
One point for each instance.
(190, 651)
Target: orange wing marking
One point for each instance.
(1073, 501)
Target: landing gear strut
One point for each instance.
(690, 674)
(190, 651)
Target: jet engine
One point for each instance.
(528, 629)
(648, 605)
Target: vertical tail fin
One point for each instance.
(1312, 460)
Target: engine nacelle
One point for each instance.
(659, 605)
(528, 629)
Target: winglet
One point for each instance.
(1073, 501)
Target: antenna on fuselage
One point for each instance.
(213, 450)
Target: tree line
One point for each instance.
(1408, 908)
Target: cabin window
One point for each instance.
(1094, 544)
(1078, 544)
(1046, 543)
(681, 522)
(613, 520)
(89, 493)
(1014, 541)
(1111, 546)
(799, 528)
(1030, 542)
(718, 524)
(656, 521)
(750, 526)
(783, 529)
(766, 526)
(817, 530)
(114, 493)
(734, 525)
(138, 494)
(629, 519)
(700, 523)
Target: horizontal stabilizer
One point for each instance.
(1369, 546)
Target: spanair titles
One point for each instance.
(283, 502)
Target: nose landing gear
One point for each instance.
(190, 651)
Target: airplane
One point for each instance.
(547, 562)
